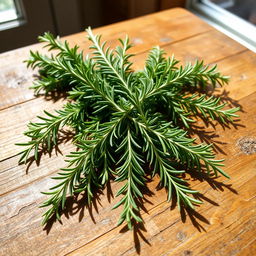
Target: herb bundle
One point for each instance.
(127, 124)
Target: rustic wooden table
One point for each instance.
(224, 225)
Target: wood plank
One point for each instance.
(13, 176)
(17, 117)
(20, 214)
(242, 69)
(224, 229)
(23, 204)
(200, 47)
(155, 29)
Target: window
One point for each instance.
(236, 18)
(22, 21)
(7, 11)
(11, 14)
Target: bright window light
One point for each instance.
(8, 11)
(245, 9)
(236, 18)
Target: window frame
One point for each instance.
(35, 20)
(19, 21)
(230, 24)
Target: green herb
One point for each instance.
(127, 124)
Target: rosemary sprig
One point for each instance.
(119, 117)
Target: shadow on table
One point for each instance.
(76, 205)
(53, 95)
(63, 138)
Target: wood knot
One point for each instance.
(247, 145)
(181, 236)
(243, 77)
(187, 253)
(16, 77)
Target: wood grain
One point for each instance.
(23, 114)
(224, 225)
(242, 69)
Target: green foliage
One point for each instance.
(120, 119)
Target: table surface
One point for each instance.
(224, 225)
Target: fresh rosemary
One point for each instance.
(127, 124)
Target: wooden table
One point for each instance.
(224, 225)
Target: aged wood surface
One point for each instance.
(224, 225)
